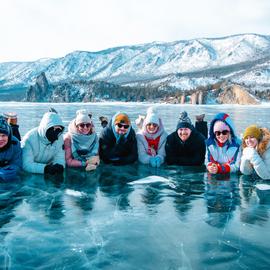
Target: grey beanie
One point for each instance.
(184, 121)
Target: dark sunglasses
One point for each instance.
(121, 125)
(223, 132)
(88, 125)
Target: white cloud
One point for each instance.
(32, 29)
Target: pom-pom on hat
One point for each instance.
(151, 116)
(220, 126)
(4, 126)
(121, 118)
(253, 131)
(184, 121)
(82, 116)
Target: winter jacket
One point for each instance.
(73, 158)
(227, 156)
(143, 145)
(38, 151)
(10, 159)
(188, 153)
(257, 160)
(118, 153)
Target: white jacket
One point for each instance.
(252, 162)
(38, 150)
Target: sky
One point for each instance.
(35, 29)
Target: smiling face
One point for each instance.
(84, 128)
(184, 133)
(151, 128)
(121, 129)
(3, 140)
(251, 141)
(222, 136)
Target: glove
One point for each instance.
(249, 152)
(58, 168)
(152, 161)
(158, 161)
(49, 169)
(53, 169)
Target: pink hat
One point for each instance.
(220, 126)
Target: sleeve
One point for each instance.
(142, 152)
(261, 166)
(29, 165)
(235, 165)
(59, 157)
(70, 161)
(245, 166)
(171, 155)
(161, 151)
(96, 147)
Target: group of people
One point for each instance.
(47, 150)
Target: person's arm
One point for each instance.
(261, 166)
(70, 161)
(143, 156)
(29, 164)
(59, 157)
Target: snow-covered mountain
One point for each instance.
(183, 64)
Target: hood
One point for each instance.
(224, 118)
(48, 120)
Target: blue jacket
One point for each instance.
(227, 156)
(10, 159)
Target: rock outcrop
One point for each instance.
(236, 94)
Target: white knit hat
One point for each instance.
(151, 117)
(83, 117)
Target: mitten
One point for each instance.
(90, 167)
(49, 169)
(248, 153)
(152, 161)
(158, 161)
(58, 168)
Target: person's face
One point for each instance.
(84, 128)
(151, 128)
(184, 133)
(222, 136)
(121, 129)
(251, 141)
(3, 140)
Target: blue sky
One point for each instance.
(34, 29)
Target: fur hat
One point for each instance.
(82, 116)
(4, 127)
(253, 131)
(122, 118)
(184, 121)
(220, 126)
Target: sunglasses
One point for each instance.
(121, 125)
(223, 132)
(87, 125)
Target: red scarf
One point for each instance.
(152, 145)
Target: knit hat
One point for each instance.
(151, 117)
(82, 117)
(184, 121)
(220, 126)
(122, 118)
(11, 117)
(4, 127)
(253, 131)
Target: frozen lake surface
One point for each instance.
(135, 217)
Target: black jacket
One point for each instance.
(121, 153)
(188, 153)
